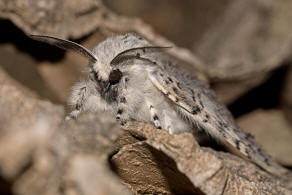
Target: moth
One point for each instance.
(129, 79)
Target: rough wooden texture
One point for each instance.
(54, 17)
(210, 172)
(248, 41)
(257, 40)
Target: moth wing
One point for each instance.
(203, 110)
(66, 45)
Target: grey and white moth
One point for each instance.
(128, 79)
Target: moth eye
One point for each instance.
(115, 76)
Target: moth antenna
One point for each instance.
(66, 45)
(135, 53)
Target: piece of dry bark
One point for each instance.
(248, 41)
(209, 171)
(148, 171)
(256, 41)
(62, 18)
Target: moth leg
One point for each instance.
(154, 117)
(77, 100)
(174, 126)
(168, 123)
(121, 115)
(72, 115)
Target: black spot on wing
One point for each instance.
(123, 100)
(196, 110)
(222, 131)
(247, 153)
(223, 124)
(175, 90)
(259, 150)
(179, 85)
(236, 130)
(267, 161)
(249, 136)
(206, 119)
(201, 104)
(125, 36)
(237, 143)
(200, 100)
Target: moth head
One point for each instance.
(120, 53)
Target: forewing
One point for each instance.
(66, 45)
(202, 108)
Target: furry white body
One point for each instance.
(140, 102)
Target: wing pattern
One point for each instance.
(203, 110)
